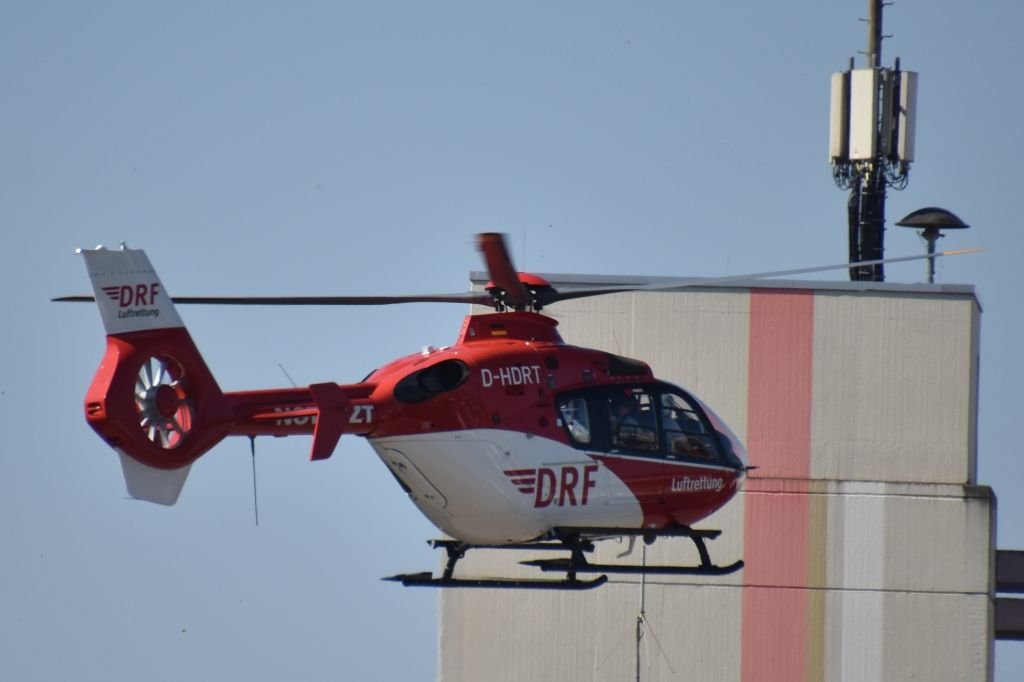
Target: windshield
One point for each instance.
(732, 445)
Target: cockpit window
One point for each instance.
(657, 420)
(573, 412)
(735, 453)
(632, 420)
(426, 383)
(685, 433)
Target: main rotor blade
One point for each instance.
(556, 296)
(500, 268)
(478, 298)
(503, 275)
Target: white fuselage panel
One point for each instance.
(494, 486)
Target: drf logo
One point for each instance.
(128, 296)
(561, 486)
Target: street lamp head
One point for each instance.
(932, 217)
(931, 221)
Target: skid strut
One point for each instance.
(577, 561)
(456, 550)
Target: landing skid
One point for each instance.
(456, 550)
(428, 580)
(577, 541)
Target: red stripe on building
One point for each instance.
(775, 545)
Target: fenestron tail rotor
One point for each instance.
(164, 409)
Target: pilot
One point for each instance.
(625, 413)
(630, 426)
(576, 421)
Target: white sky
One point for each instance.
(329, 147)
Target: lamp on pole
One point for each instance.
(931, 221)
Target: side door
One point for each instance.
(627, 433)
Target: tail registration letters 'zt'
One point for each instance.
(361, 414)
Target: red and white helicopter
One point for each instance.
(509, 438)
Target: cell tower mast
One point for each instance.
(871, 143)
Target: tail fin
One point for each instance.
(153, 399)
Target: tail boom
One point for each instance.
(326, 410)
(155, 401)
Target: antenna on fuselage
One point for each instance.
(287, 376)
(255, 502)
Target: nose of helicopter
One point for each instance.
(735, 452)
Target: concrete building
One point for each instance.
(869, 548)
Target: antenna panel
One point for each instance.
(863, 114)
(885, 141)
(839, 119)
(906, 116)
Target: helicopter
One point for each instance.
(510, 438)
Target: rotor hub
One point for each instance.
(165, 400)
